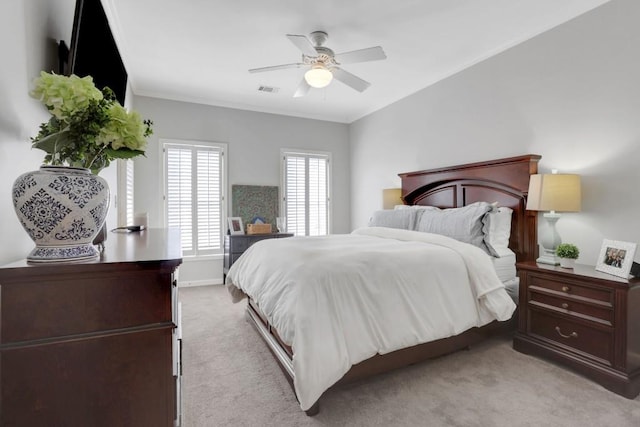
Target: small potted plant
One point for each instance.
(568, 253)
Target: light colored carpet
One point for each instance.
(231, 379)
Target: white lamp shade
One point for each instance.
(391, 197)
(554, 192)
(318, 76)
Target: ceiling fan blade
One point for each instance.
(302, 90)
(303, 43)
(276, 67)
(362, 55)
(350, 80)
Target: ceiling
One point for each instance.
(200, 50)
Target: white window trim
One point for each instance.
(293, 151)
(223, 190)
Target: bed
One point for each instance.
(304, 361)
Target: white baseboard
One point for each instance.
(187, 284)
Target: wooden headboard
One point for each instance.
(505, 181)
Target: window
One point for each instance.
(305, 178)
(194, 195)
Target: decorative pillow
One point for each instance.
(395, 218)
(497, 230)
(463, 224)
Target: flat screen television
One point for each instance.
(93, 51)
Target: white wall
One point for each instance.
(254, 142)
(571, 95)
(29, 30)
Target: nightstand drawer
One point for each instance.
(234, 257)
(241, 244)
(596, 343)
(593, 310)
(236, 245)
(572, 288)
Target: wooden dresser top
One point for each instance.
(151, 245)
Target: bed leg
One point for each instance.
(313, 410)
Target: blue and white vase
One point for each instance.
(62, 209)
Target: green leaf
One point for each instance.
(54, 143)
(122, 153)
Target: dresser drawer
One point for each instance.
(570, 288)
(593, 310)
(595, 343)
(84, 303)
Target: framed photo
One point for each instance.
(616, 257)
(235, 225)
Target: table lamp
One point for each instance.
(554, 193)
(391, 197)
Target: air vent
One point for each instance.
(268, 89)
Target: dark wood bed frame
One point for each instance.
(505, 181)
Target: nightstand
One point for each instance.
(584, 319)
(236, 244)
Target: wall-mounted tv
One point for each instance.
(93, 51)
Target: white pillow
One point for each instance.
(497, 230)
(416, 207)
(463, 224)
(394, 218)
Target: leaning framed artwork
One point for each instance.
(616, 257)
(235, 225)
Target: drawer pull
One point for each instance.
(571, 335)
(565, 305)
(566, 289)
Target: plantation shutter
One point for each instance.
(129, 191)
(295, 199)
(194, 196)
(124, 197)
(306, 198)
(317, 196)
(179, 195)
(209, 215)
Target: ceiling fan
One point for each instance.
(323, 63)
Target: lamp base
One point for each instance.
(550, 241)
(548, 259)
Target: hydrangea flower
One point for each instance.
(62, 95)
(125, 129)
(88, 127)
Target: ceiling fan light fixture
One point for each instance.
(318, 76)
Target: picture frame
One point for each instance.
(616, 257)
(235, 225)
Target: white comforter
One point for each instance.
(340, 299)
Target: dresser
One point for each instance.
(584, 319)
(236, 244)
(93, 343)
